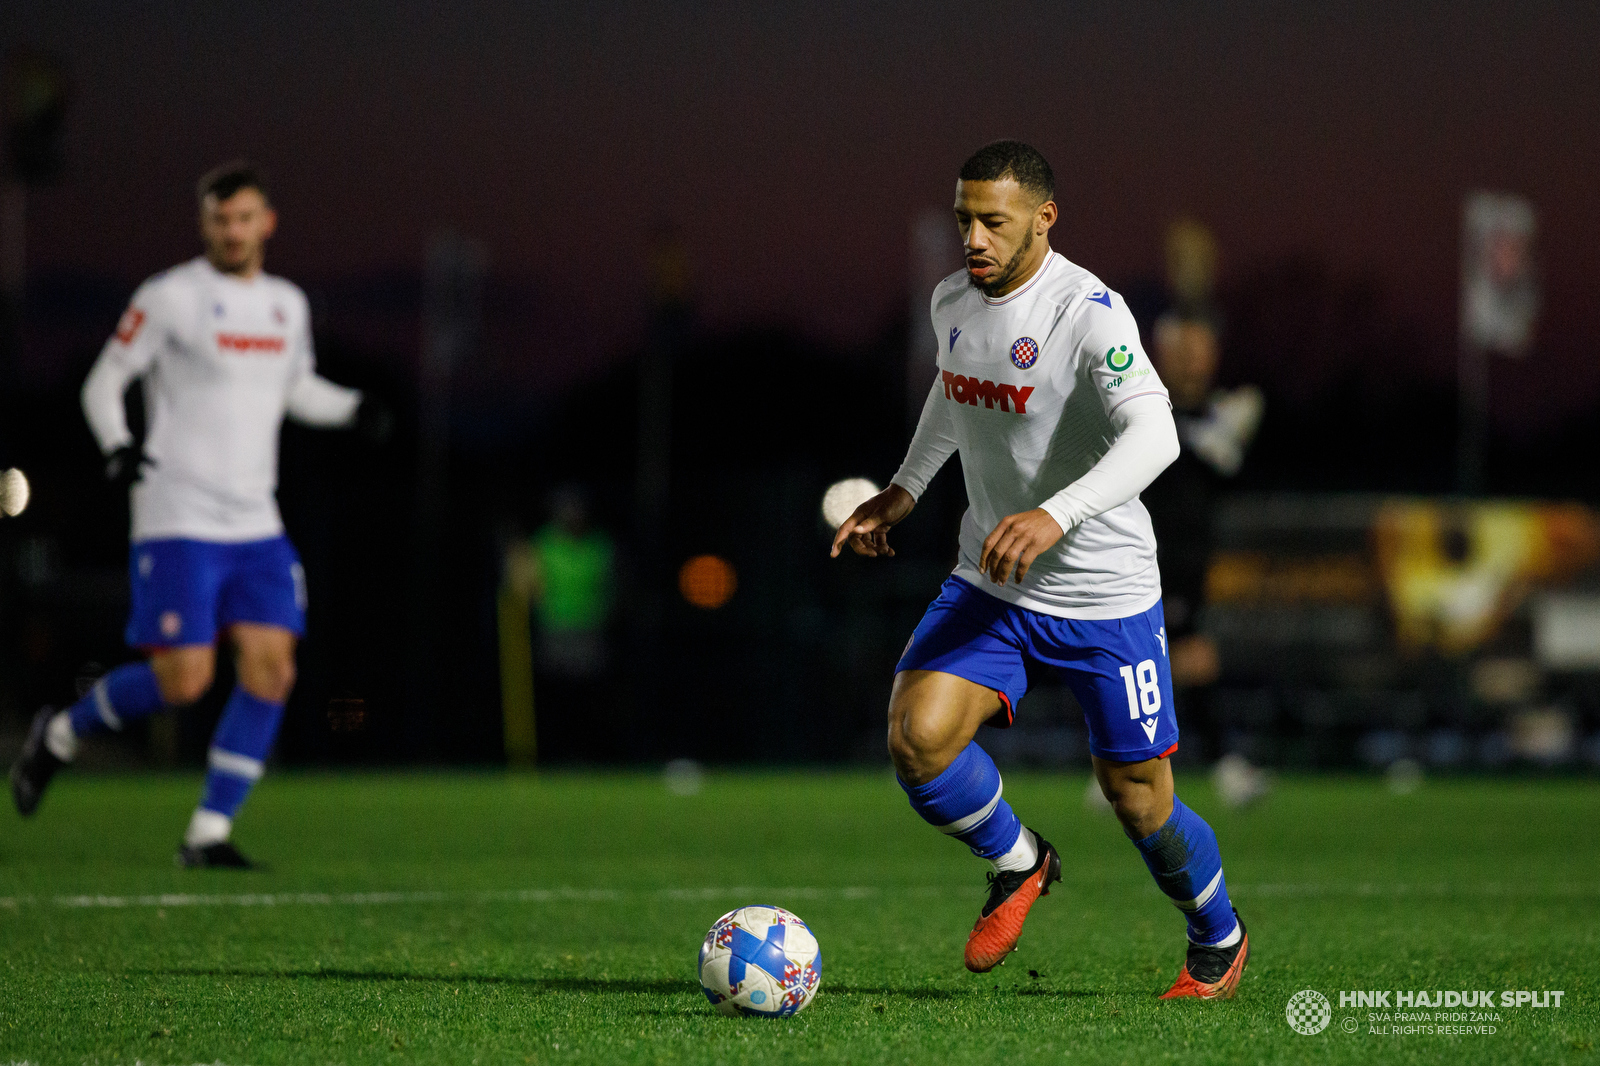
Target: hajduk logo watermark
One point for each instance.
(1308, 1012)
(1474, 1012)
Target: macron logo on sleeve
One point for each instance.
(1101, 297)
(962, 389)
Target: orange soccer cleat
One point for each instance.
(1212, 973)
(1011, 894)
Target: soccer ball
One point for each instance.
(761, 961)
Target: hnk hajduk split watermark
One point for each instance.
(1433, 1012)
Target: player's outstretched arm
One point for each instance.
(867, 528)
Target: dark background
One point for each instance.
(789, 150)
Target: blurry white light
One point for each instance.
(843, 497)
(684, 777)
(14, 492)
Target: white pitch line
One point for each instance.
(773, 895)
(522, 895)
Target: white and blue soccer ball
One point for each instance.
(761, 961)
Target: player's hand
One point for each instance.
(125, 465)
(867, 528)
(1016, 542)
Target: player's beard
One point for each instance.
(1003, 277)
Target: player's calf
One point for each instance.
(964, 801)
(234, 763)
(1184, 859)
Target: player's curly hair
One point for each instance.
(1013, 159)
(222, 182)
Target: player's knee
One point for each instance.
(268, 677)
(1138, 808)
(917, 747)
(184, 682)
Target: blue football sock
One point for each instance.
(126, 693)
(965, 802)
(1183, 858)
(239, 750)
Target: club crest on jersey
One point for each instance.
(278, 316)
(1024, 353)
(1119, 358)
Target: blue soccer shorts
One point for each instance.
(184, 591)
(1116, 667)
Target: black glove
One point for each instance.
(374, 419)
(125, 465)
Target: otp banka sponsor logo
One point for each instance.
(962, 389)
(1119, 358)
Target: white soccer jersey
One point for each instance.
(223, 359)
(1026, 390)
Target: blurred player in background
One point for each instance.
(224, 351)
(1215, 428)
(1061, 421)
(567, 572)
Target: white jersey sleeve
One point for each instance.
(1146, 444)
(127, 355)
(312, 399)
(931, 446)
(1112, 358)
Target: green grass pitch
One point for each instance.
(434, 918)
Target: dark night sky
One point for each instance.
(793, 144)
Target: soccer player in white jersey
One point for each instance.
(224, 351)
(1045, 390)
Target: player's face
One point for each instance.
(235, 230)
(999, 222)
(1186, 359)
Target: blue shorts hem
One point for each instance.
(1153, 751)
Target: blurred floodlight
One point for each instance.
(843, 497)
(14, 492)
(1094, 800)
(1238, 782)
(1404, 776)
(683, 777)
(707, 581)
